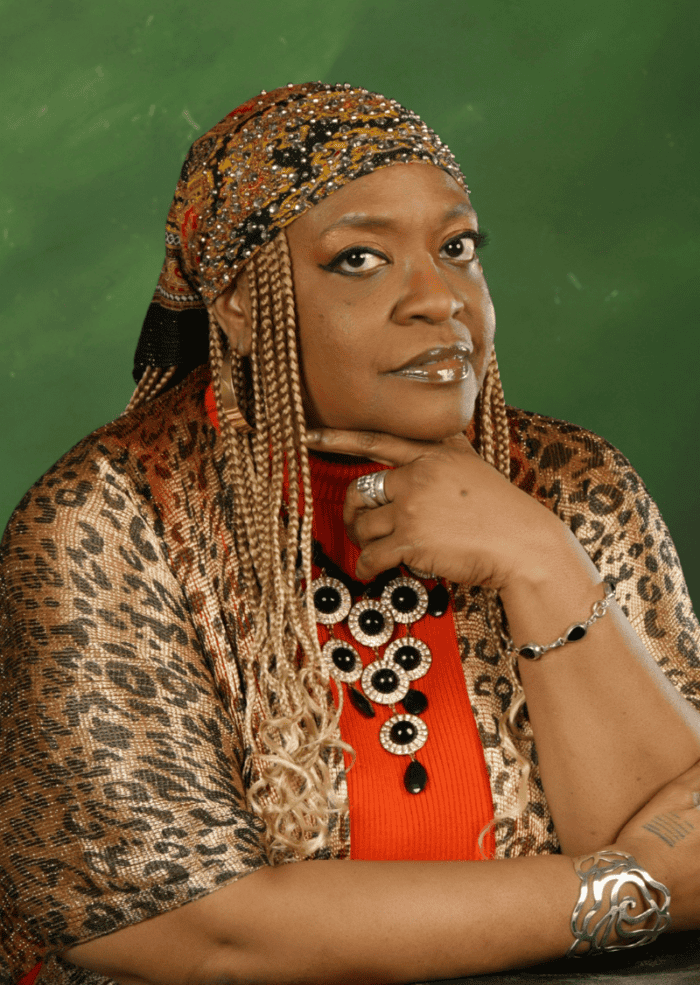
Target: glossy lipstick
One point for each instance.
(447, 364)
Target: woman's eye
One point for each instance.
(355, 261)
(464, 247)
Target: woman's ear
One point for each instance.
(233, 313)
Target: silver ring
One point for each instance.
(371, 488)
(696, 799)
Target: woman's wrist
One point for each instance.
(551, 589)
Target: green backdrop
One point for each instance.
(576, 126)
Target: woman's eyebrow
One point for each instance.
(463, 209)
(361, 220)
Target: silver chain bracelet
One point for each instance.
(531, 651)
(603, 911)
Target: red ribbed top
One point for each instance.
(386, 822)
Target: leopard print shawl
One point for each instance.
(124, 782)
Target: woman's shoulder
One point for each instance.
(137, 456)
(571, 469)
(551, 444)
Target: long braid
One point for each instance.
(298, 416)
(494, 448)
(292, 440)
(235, 453)
(153, 380)
(494, 438)
(269, 518)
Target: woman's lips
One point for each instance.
(447, 364)
(452, 370)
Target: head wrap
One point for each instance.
(259, 169)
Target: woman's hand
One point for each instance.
(449, 513)
(664, 837)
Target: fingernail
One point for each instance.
(313, 437)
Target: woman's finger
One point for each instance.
(387, 449)
(356, 503)
(380, 555)
(369, 525)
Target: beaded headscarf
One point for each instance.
(255, 172)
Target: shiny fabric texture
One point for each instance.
(122, 627)
(260, 168)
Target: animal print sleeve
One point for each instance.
(629, 541)
(594, 489)
(120, 792)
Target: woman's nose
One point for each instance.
(427, 295)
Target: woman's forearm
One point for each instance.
(610, 729)
(326, 922)
(405, 921)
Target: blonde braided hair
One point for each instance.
(493, 444)
(291, 729)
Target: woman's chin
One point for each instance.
(434, 435)
(414, 425)
(431, 429)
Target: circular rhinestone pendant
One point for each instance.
(411, 655)
(383, 683)
(403, 734)
(331, 600)
(343, 661)
(370, 623)
(406, 599)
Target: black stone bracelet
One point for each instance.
(531, 651)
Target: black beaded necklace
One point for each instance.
(391, 599)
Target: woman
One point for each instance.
(278, 611)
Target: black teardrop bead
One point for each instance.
(438, 600)
(363, 705)
(415, 777)
(415, 702)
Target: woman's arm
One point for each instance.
(610, 728)
(344, 921)
(325, 922)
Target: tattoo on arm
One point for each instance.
(669, 827)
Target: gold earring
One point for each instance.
(228, 399)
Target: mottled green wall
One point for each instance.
(576, 125)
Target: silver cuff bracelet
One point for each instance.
(603, 910)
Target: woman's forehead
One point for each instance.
(375, 200)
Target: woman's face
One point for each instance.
(395, 319)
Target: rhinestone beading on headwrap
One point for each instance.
(259, 169)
